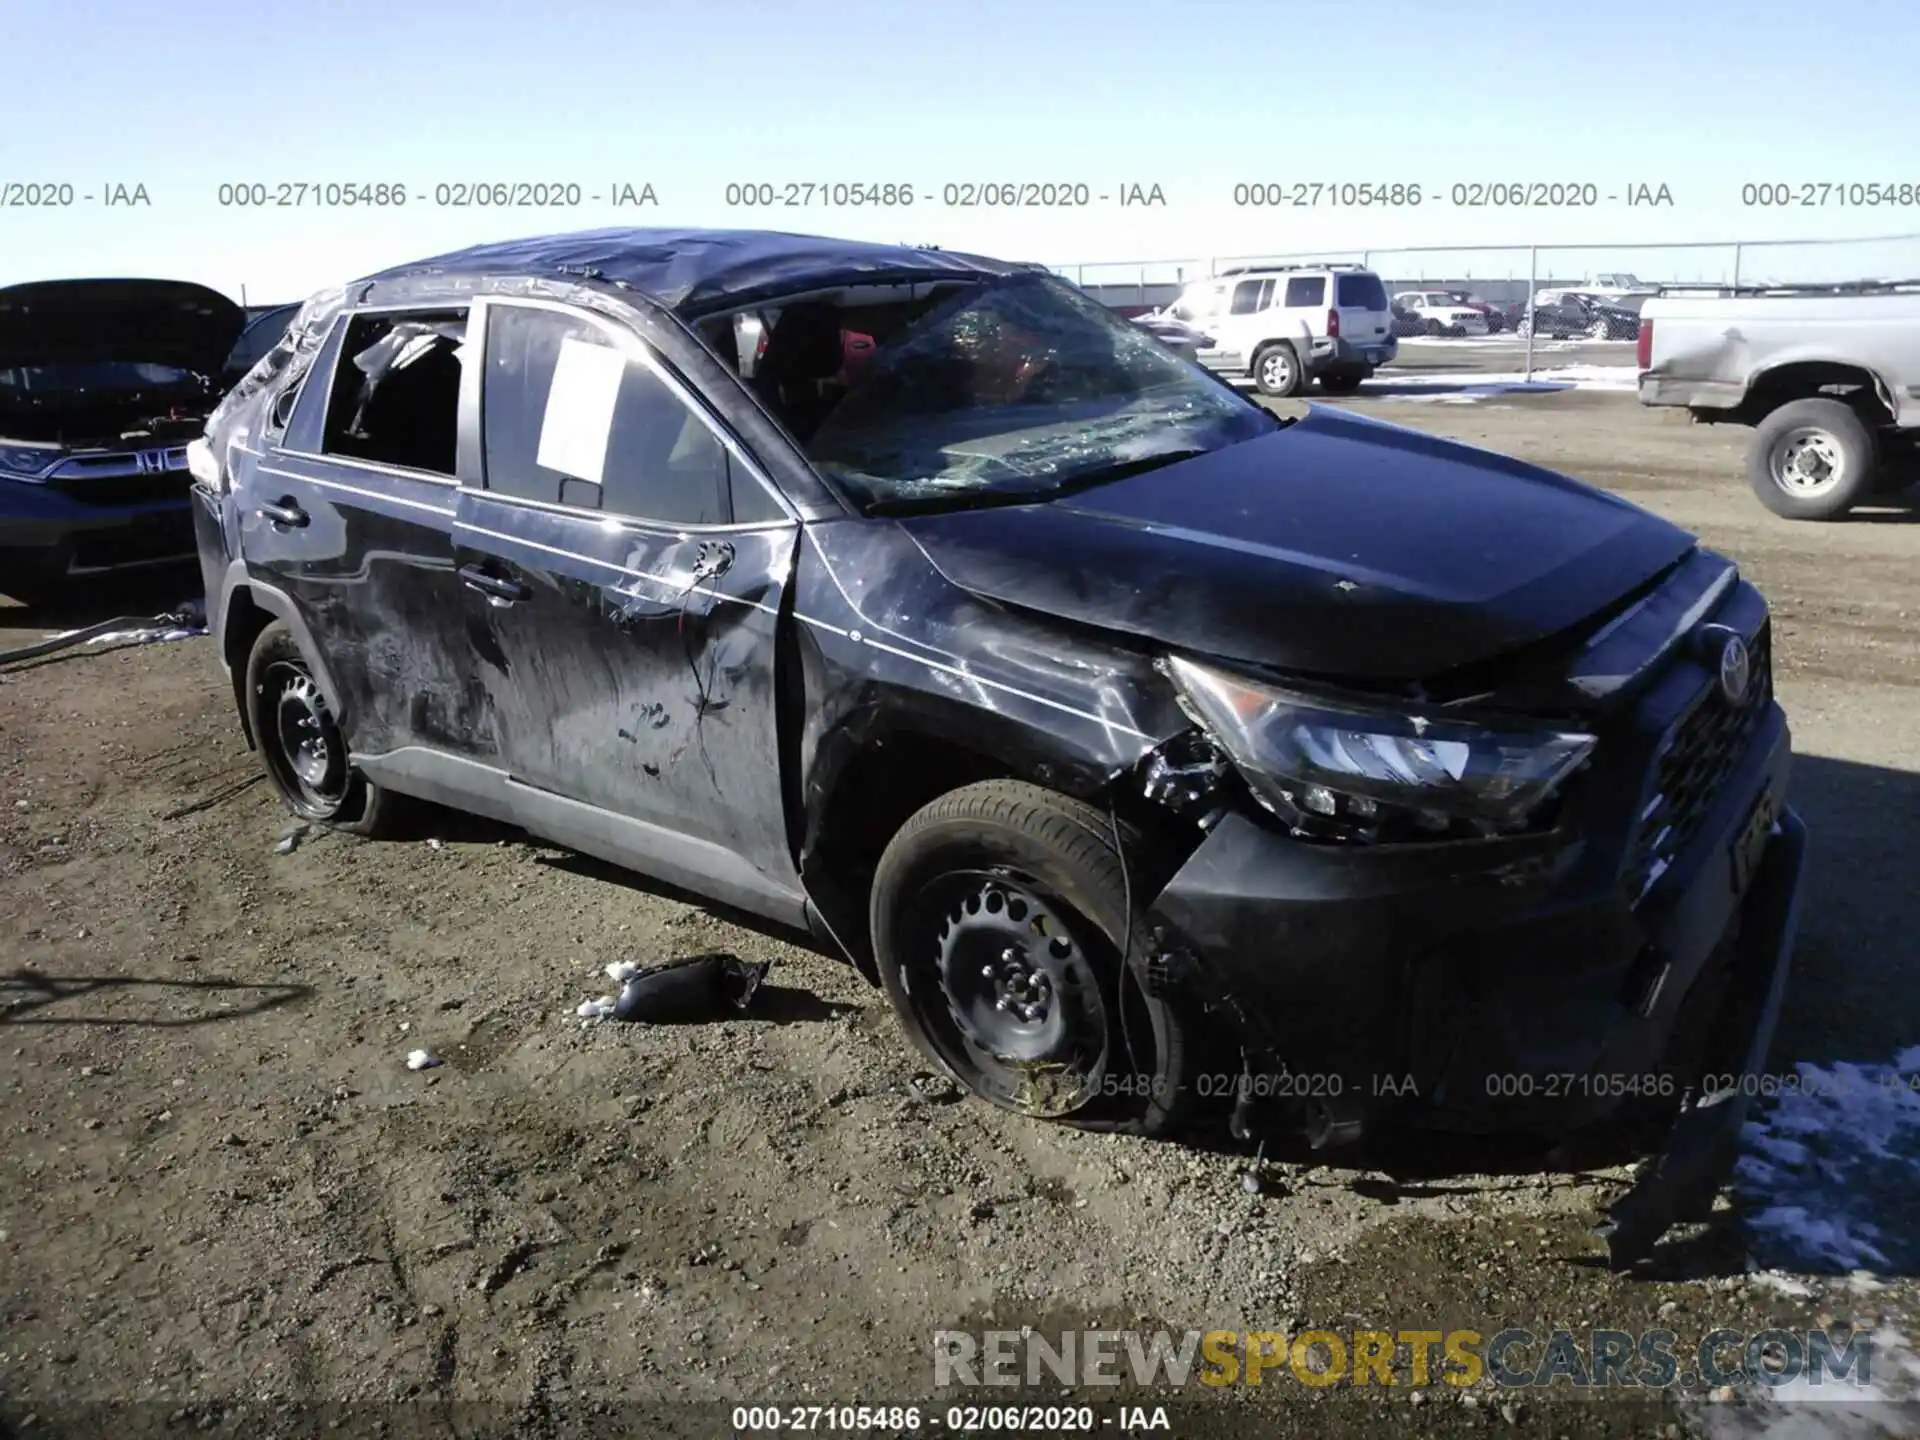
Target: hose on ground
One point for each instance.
(54, 643)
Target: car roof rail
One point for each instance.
(1289, 265)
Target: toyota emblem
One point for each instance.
(1736, 669)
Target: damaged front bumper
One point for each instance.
(1681, 1181)
(1510, 986)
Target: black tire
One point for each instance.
(1277, 370)
(301, 743)
(1436, 329)
(948, 955)
(1342, 382)
(1812, 460)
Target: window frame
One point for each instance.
(338, 336)
(473, 470)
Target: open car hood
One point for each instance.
(1339, 547)
(155, 322)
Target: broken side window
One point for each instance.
(396, 391)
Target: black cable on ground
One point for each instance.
(80, 637)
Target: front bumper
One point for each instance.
(1682, 1179)
(54, 534)
(1530, 985)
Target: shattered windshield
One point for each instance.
(1015, 390)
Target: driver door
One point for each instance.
(624, 563)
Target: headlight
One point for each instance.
(1351, 772)
(27, 462)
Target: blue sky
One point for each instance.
(691, 95)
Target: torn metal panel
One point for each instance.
(891, 646)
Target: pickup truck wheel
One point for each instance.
(1276, 370)
(1812, 460)
(1005, 942)
(301, 743)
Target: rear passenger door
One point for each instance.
(350, 513)
(624, 563)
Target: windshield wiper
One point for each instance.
(1122, 469)
(979, 498)
(985, 497)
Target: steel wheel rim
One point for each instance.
(303, 741)
(1014, 996)
(1808, 462)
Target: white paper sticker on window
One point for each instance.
(573, 433)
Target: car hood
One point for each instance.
(158, 322)
(1339, 547)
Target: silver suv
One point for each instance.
(1284, 325)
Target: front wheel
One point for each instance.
(1276, 371)
(300, 740)
(1812, 460)
(1013, 956)
(1523, 329)
(1599, 330)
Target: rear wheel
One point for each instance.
(1342, 382)
(1812, 460)
(1276, 370)
(1009, 938)
(300, 740)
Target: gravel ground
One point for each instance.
(226, 1203)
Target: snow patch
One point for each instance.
(1824, 1159)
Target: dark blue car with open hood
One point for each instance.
(102, 385)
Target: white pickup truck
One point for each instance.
(1829, 378)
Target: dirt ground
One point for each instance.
(226, 1203)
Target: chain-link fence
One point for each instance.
(1511, 273)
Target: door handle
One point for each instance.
(499, 589)
(285, 515)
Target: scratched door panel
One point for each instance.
(636, 672)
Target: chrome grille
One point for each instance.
(125, 478)
(1697, 756)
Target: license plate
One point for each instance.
(1751, 842)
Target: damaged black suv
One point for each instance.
(1149, 748)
